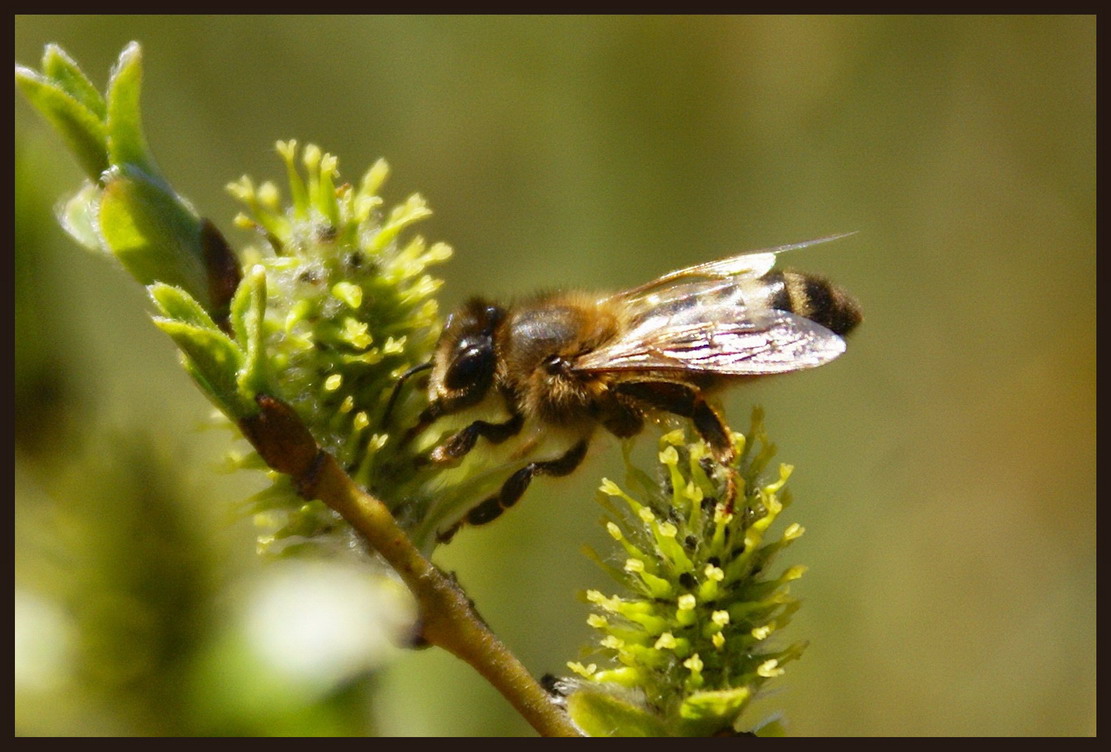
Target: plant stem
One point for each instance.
(447, 618)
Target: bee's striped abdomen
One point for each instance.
(814, 297)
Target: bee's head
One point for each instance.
(465, 359)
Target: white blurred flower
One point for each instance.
(322, 622)
(43, 643)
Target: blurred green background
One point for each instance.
(945, 466)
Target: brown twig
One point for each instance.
(447, 618)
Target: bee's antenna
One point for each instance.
(397, 388)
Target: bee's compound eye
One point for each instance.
(473, 365)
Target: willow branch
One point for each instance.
(447, 618)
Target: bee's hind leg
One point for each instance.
(514, 487)
(687, 401)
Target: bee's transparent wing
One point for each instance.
(746, 343)
(715, 318)
(746, 265)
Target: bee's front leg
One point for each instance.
(427, 417)
(463, 441)
(514, 487)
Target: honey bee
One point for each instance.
(571, 361)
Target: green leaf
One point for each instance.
(137, 216)
(65, 73)
(175, 303)
(706, 713)
(248, 309)
(605, 714)
(153, 233)
(80, 127)
(77, 215)
(214, 362)
(126, 143)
